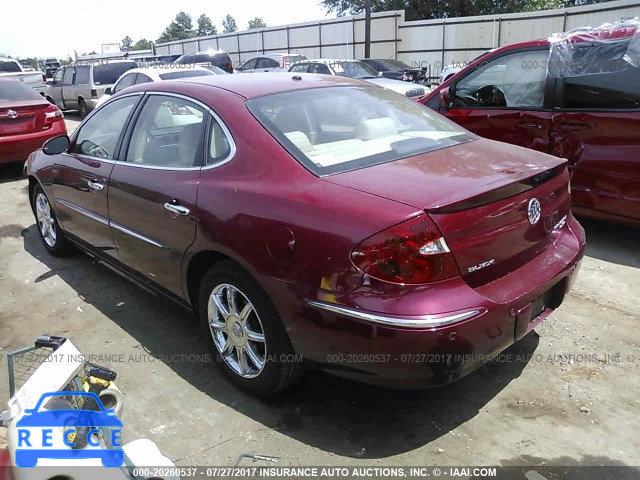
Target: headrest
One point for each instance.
(376, 128)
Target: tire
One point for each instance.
(82, 108)
(47, 224)
(259, 367)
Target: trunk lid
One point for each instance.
(479, 195)
(18, 118)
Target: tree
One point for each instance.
(142, 44)
(205, 26)
(424, 9)
(256, 23)
(229, 24)
(125, 46)
(180, 28)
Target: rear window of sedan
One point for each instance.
(13, 90)
(338, 129)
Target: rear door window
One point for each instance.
(619, 90)
(82, 76)
(267, 63)
(168, 133)
(67, 79)
(57, 80)
(514, 80)
(9, 67)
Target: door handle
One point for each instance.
(526, 124)
(573, 126)
(176, 208)
(95, 185)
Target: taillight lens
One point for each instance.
(51, 115)
(412, 252)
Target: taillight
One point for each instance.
(94, 94)
(411, 252)
(44, 78)
(51, 115)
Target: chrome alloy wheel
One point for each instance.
(237, 330)
(46, 223)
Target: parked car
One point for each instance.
(79, 87)
(397, 70)
(592, 118)
(27, 120)
(210, 58)
(270, 62)
(10, 68)
(369, 226)
(51, 65)
(358, 70)
(137, 76)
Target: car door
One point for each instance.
(70, 101)
(507, 98)
(55, 89)
(81, 176)
(152, 196)
(596, 128)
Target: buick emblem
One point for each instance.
(533, 211)
(12, 114)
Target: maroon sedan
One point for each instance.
(27, 120)
(317, 218)
(580, 102)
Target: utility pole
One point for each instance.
(367, 28)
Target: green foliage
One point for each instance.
(256, 23)
(229, 24)
(142, 44)
(426, 9)
(125, 46)
(205, 26)
(180, 28)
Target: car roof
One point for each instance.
(254, 85)
(155, 72)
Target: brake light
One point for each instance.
(412, 252)
(51, 115)
(94, 94)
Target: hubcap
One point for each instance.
(237, 331)
(46, 224)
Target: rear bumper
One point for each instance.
(16, 148)
(452, 329)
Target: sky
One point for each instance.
(39, 28)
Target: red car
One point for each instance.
(581, 103)
(27, 120)
(315, 217)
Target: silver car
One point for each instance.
(79, 87)
(359, 70)
(270, 62)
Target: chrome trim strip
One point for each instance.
(109, 223)
(84, 211)
(135, 234)
(426, 321)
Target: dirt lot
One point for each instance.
(535, 405)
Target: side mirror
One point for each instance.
(56, 145)
(108, 91)
(445, 99)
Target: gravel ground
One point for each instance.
(566, 394)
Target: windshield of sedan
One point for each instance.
(338, 129)
(353, 69)
(391, 64)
